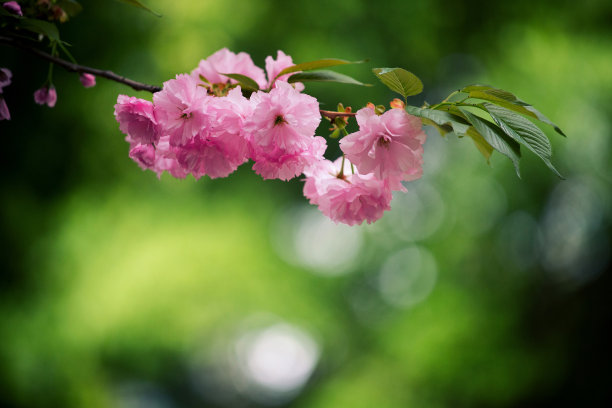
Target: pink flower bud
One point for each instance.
(4, 112)
(13, 7)
(88, 80)
(5, 78)
(46, 95)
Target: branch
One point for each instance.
(333, 115)
(69, 66)
(139, 86)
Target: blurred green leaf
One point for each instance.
(496, 138)
(312, 65)
(524, 132)
(138, 4)
(399, 80)
(244, 81)
(40, 27)
(324, 76)
(71, 7)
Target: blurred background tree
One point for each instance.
(477, 289)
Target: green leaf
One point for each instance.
(71, 7)
(312, 65)
(481, 144)
(540, 116)
(138, 4)
(324, 76)
(509, 101)
(440, 118)
(244, 81)
(399, 80)
(496, 138)
(40, 27)
(524, 132)
(487, 96)
(498, 93)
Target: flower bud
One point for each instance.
(46, 95)
(5, 78)
(397, 104)
(4, 112)
(13, 8)
(88, 80)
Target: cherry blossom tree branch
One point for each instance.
(72, 67)
(333, 115)
(139, 86)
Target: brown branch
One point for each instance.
(333, 115)
(139, 86)
(69, 66)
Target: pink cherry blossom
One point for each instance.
(180, 109)
(226, 62)
(282, 119)
(137, 120)
(389, 145)
(221, 147)
(46, 95)
(144, 155)
(347, 198)
(166, 161)
(274, 66)
(4, 111)
(157, 158)
(285, 166)
(88, 80)
(13, 7)
(5, 78)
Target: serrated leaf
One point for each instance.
(524, 132)
(487, 96)
(244, 81)
(540, 116)
(312, 65)
(399, 80)
(40, 27)
(496, 138)
(509, 101)
(324, 76)
(71, 7)
(138, 4)
(496, 92)
(440, 118)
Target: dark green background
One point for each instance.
(121, 290)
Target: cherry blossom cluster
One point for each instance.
(203, 124)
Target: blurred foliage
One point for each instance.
(122, 290)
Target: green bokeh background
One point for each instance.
(478, 289)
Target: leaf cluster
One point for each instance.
(495, 119)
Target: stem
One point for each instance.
(341, 174)
(333, 115)
(72, 67)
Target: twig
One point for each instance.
(69, 66)
(333, 115)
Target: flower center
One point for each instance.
(279, 120)
(384, 141)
